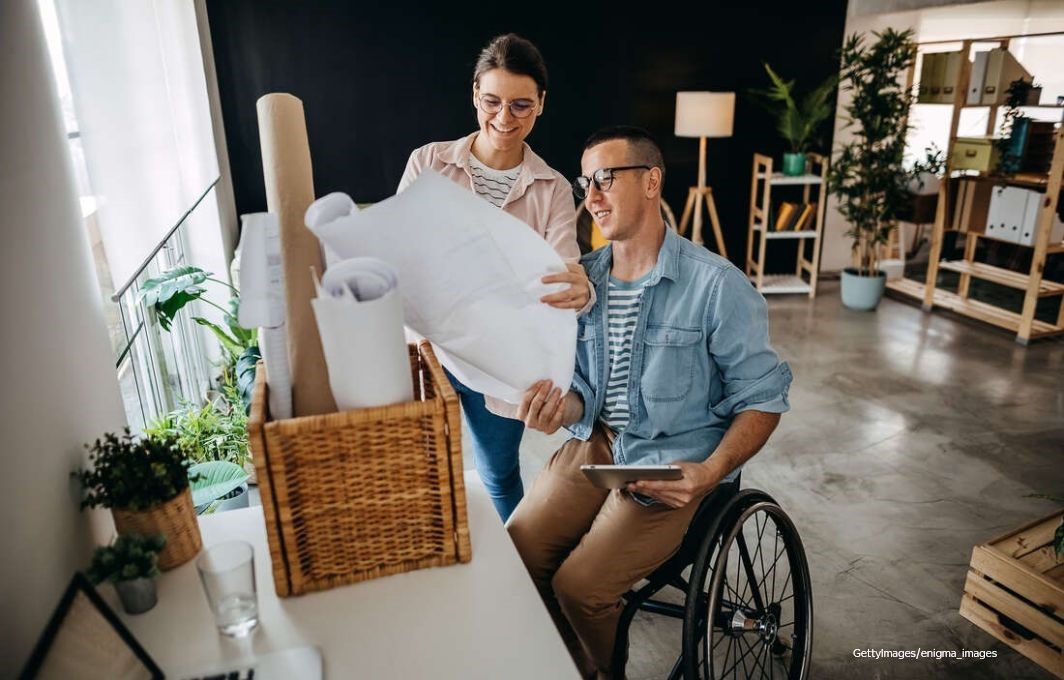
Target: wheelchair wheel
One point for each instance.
(749, 604)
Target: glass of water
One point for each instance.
(228, 574)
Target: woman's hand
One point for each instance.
(545, 408)
(576, 295)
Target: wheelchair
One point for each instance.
(744, 578)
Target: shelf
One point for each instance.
(1028, 181)
(989, 106)
(996, 316)
(782, 283)
(779, 179)
(761, 221)
(1004, 277)
(805, 233)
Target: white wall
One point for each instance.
(58, 378)
(972, 20)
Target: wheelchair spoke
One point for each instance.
(738, 597)
(775, 551)
(744, 556)
(758, 648)
(740, 659)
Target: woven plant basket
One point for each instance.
(365, 493)
(175, 519)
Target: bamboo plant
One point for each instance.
(868, 177)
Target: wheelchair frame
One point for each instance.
(719, 515)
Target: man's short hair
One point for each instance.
(644, 150)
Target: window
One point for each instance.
(156, 369)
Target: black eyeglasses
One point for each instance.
(519, 108)
(603, 179)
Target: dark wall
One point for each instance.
(378, 81)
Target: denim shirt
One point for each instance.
(700, 355)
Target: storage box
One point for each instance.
(974, 153)
(1015, 591)
(365, 493)
(971, 206)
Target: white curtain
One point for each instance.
(140, 97)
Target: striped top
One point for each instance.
(622, 312)
(491, 184)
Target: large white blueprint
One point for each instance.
(360, 322)
(470, 282)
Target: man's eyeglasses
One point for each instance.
(519, 108)
(603, 179)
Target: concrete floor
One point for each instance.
(911, 437)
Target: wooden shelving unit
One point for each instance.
(761, 184)
(1031, 281)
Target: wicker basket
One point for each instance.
(175, 519)
(366, 493)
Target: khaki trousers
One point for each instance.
(585, 547)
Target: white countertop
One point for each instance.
(483, 619)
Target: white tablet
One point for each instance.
(617, 476)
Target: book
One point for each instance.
(785, 215)
(806, 217)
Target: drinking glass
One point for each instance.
(227, 571)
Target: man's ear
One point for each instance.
(653, 182)
(542, 102)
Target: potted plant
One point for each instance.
(868, 177)
(145, 483)
(168, 294)
(796, 122)
(131, 564)
(219, 485)
(1015, 127)
(215, 431)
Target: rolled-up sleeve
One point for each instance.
(754, 378)
(582, 428)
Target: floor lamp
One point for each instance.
(702, 115)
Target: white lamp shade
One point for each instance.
(705, 114)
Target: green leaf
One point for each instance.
(172, 290)
(217, 478)
(228, 343)
(246, 366)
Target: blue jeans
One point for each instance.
(496, 441)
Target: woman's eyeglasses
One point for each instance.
(519, 108)
(602, 178)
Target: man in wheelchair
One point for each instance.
(673, 366)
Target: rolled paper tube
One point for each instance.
(289, 191)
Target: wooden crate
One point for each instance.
(1015, 592)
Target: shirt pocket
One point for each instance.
(668, 361)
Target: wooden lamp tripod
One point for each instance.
(702, 115)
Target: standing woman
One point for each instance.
(509, 90)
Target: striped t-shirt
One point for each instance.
(491, 184)
(622, 311)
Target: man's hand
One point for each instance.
(573, 297)
(544, 407)
(698, 480)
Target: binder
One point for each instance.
(927, 77)
(975, 83)
(1001, 70)
(805, 217)
(951, 71)
(785, 215)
